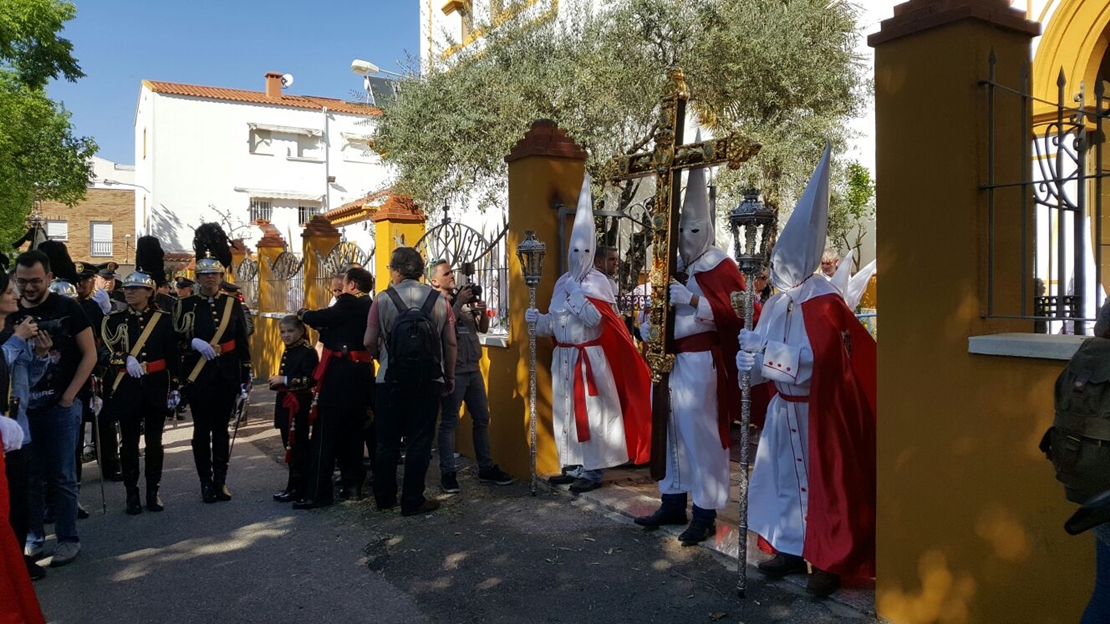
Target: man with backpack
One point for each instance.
(409, 331)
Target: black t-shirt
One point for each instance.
(65, 354)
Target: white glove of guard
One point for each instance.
(532, 316)
(244, 391)
(645, 332)
(12, 434)
(133, 367)
(680, 295)
(173, 400)
(745, 361)
(203, 348)
(751, 341)
(100, 296)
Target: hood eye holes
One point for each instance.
(695, 230)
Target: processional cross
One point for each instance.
(665, 161)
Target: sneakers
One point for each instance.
(33, 551)
(494, 475)
(65, 553)
(449, 483)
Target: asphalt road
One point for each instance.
(490, 554)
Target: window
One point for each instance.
(357, 148)
(261, 210)
(57, 230)
(309, 147)
(100, 239)
(305, 212)
(261, 142)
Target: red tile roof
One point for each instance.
(259, 97)
(353, 207)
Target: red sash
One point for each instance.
(581, 422)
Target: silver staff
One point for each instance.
(530, 252)
(753, 227)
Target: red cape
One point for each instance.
(633, 379)
(18, 603)
(840, 531)
(718, 284)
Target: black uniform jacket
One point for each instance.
(342, 327)
(297, 364)
(198, 316)
(159, 356)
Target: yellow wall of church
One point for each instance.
(969, 514)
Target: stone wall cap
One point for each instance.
(545, 138)
(319, 227)
(920, 15)
(399, 209)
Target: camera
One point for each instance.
(475, 288)
(54, 327)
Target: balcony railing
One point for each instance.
(102, 248)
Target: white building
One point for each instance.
(240, 157)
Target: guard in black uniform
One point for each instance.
(344, 392)
(143, 374)
(216, 366)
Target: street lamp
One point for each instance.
(365, 68)
(531, 252)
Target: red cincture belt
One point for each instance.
(322, 368)
(227, 347)
(155, 366)
(709, 341)
(581, 421)
(790, 398)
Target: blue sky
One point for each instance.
(222, 43)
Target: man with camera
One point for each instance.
(470, 320)
(53, 411)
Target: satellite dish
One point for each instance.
(287, 80)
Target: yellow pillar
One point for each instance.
(319, 237)
(969, 514)
(239, 252)
(266, 346)
(544, 166)
(398, 223)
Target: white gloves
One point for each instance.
(680, 295)
(244, 391)
(745, 361)
(173, 400)
(645, 332)
(752, 342)
(577, 299)
(12, 434)
(203, 348)
(133, 367)
(532, 316)
(100, 296)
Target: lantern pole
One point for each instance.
(531, 252)
(752, 225)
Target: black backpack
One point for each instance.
(413, 343)
(1078, 443)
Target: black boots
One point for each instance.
(701, 527)
(783, 565)
(222, 493)
(207, 492)
(153, 500)
(671, 511)
(134, 506)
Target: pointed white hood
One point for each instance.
(843, 273)
(583, 236)
(858, 284)
(695, 224)
(797, 253)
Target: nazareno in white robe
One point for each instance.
(574, 326)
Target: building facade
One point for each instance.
(100, 228)
(243, 158)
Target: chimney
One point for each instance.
(273, 85)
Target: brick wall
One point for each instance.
(111, 205)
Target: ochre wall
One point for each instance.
(969, 514)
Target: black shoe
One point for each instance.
(662, 517)
(449, 483)
(584, 485)
(153, 500)
(82, 513)
(114, 475)
(561, 479)
(34, 570)
(1092, 513)
(494, 475)
(222, 493)
(822, 584)
(134, 507)
(697, 533)
(428, 507)
(351, 493)
(311, 503)
(285, 496)
(783, 565)
(208, 492)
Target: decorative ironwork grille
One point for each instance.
(286, 283)
(1062, 171)
(341, 257)
(246, 276)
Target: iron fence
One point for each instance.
(1061, 164)
(246, 276)
(286, 292)
(341, 257)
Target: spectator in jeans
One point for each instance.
(470, 320)
(405, 407)
(53, 411)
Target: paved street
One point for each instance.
(489, 555)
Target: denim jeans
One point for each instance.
(54, 430)
(1098, 609)
(469, 388)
